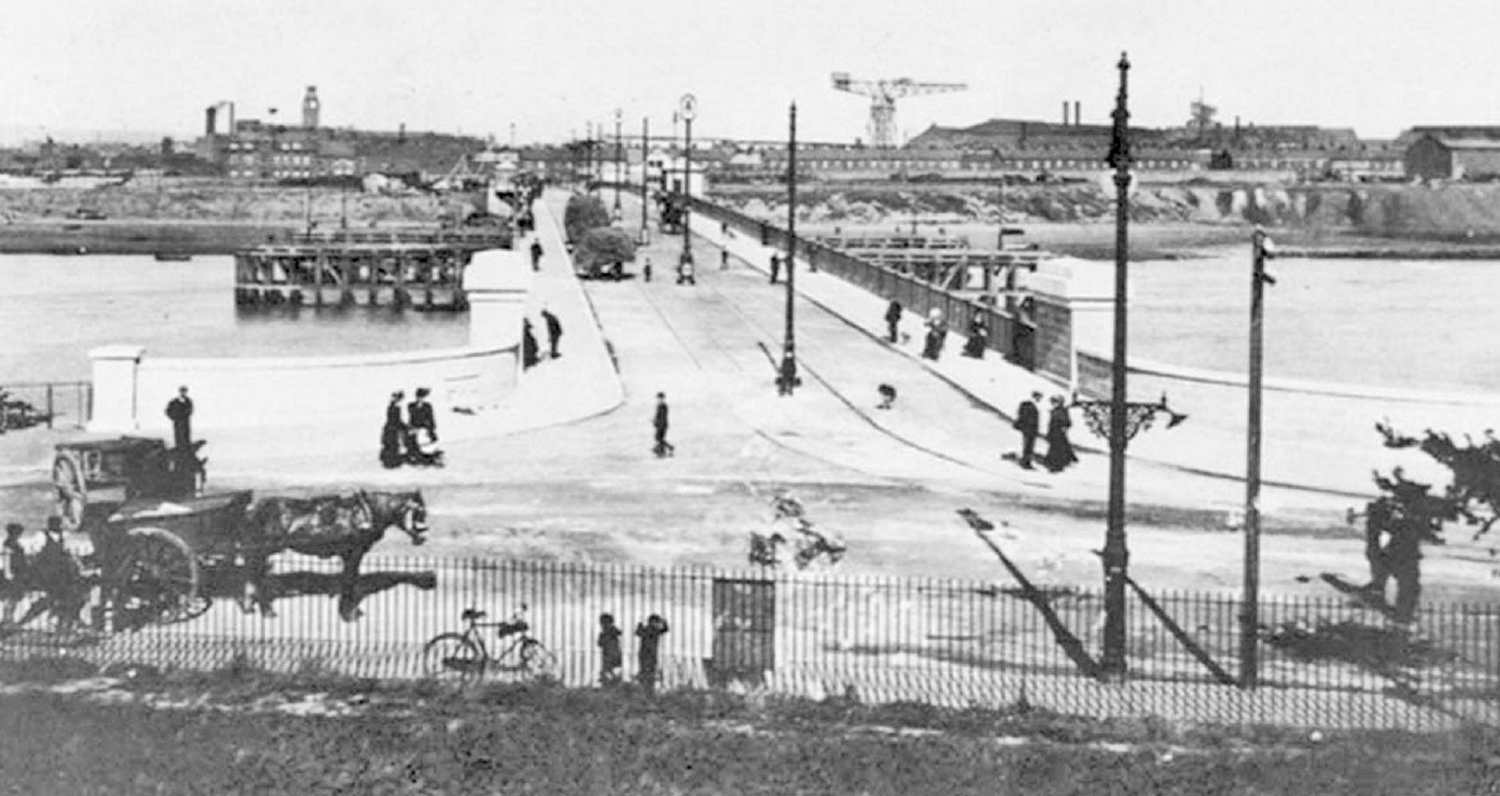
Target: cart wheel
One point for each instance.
(453, 658)
(72, 490)
(157, 580)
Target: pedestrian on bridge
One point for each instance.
(775, 267)
(723, 259)
(536, 255)
(1028, 422)
(554, 331)
(663, 448)
(892, 317)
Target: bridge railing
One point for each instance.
(1008, 334)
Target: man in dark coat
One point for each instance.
(775, 267)
(892, 320)
(979, 334)
(554, 330)
(529, 356)
(536, 255)
(663, 448)
(420, 416)
(180, 410)
(392, 432)
(1028, 422)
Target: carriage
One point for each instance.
(163, 548)
(156, 537)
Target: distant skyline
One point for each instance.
(478, 66)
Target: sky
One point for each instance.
(551, 67)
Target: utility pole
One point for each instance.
(688, 108)
(1250, 602)
(619, 151)
(645, 157)
(786, 380)
(1116, 555)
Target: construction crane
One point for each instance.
(883, 95)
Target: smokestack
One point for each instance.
(208, 119)
(1077, 113)
(1065, 113)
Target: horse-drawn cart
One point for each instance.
(162, 549)
(154, 537)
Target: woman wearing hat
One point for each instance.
(1059, 449)
(392, 432)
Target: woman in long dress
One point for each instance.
(1059, 449)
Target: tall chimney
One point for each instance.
(208, 119)
(1065, 113)
(1077, 113)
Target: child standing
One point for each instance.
(609, 650)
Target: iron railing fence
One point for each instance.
(1326, 662)
(53, 404)
(1007, 334)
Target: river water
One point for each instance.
(1423, 324)
(1416, 324)
(53, 309)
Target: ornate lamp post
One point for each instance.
(786, 379)
(1116, 556)
(687, 108)
(619, 151)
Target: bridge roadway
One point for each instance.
(889, 481)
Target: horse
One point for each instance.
(327, 526)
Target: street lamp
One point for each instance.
(1116, 556)
(619, 114)
(687, 108)
(786, 379)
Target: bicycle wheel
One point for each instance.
(537, 660)
(452, 657)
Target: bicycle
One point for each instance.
(464, 656)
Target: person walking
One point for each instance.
(1028, 421)
(979, 334)
(529, 355)
(663, 448)
(180, 411)
(554, 331)
(1059, 450)
(936, 332)
(536, 255)
(419, 415)
(723, 259)
(611, 659)
(775, 267)
(646, 270)
(892, 320)
(647, 658)
(392, 433)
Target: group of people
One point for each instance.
(530, 351)
(413, 440)
(1060, 453)
(647, 650)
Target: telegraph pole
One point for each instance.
(619, 151)
(645, 158)
(1250, 607)
(688, 108)
(1116, 556)
(786, 381)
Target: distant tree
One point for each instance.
(583, 213)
